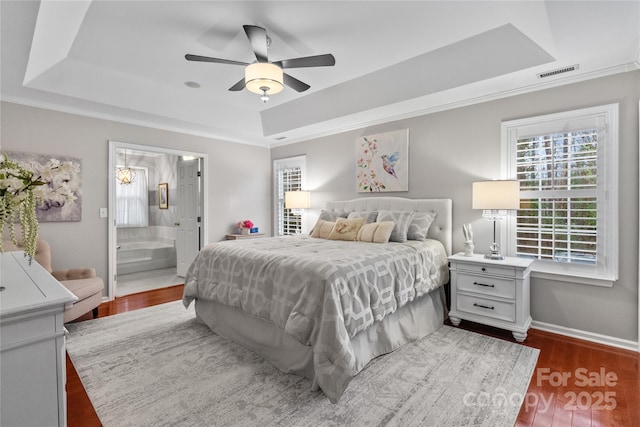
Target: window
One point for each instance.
(289, 176)
(132, 201)
(566, 164)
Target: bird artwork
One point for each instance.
(389, 162)
(382, 162)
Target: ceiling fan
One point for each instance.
(263, 77)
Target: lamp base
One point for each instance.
(494, 252)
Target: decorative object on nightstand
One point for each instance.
(467, 231)
(495, 198)
(491, 292)
(244, 227)
(297, 201)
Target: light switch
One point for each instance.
(104, 213)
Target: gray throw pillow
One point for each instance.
(402, 220)
(369, 216)
(332, 216)
(420, 224)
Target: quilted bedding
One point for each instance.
(321, 292)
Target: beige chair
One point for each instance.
(82, 282)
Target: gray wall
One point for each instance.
(451, 149)
(238, 178)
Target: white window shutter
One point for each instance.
(567, 167)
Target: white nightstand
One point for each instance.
(244, 236)
(490, 292)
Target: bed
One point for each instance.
(324, 308)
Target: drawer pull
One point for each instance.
(482, 306)
(483, 284)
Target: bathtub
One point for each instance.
(136, 256)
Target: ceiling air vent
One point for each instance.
(558, 71)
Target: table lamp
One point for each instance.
(495, 198)
(297, 200)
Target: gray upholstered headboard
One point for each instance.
(441, 229)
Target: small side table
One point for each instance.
(495, 293)
(244, 236)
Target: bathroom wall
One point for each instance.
(161, 168)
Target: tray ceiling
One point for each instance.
(124, 60)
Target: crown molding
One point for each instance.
(358, 124)
(560, 81)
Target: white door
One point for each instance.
(188, 215)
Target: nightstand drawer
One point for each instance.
(488, 285)
(499, 270)
(487, 307)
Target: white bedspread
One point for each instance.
(321, 292)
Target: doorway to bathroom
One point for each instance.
(157, 205)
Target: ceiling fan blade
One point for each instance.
(238, 86)
(258, 38)
(326, 60)
(199, 58)
(294, 83)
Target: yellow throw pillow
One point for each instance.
(346, 229)
(376, 232)
(322, 229)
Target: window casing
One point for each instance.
(567, 167)
(289, 175)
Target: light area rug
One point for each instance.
(159, 367)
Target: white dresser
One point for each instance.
(491, 292)
(32, 344)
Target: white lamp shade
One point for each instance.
(496, 195)
(263, 75)
(297, 200)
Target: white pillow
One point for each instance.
(330, 216)
(376, 232)
(322, 229)
(346, 229)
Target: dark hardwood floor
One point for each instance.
(576, 383)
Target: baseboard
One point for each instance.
(587, 336)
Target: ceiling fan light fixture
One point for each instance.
(263, 78)
(265, 95)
